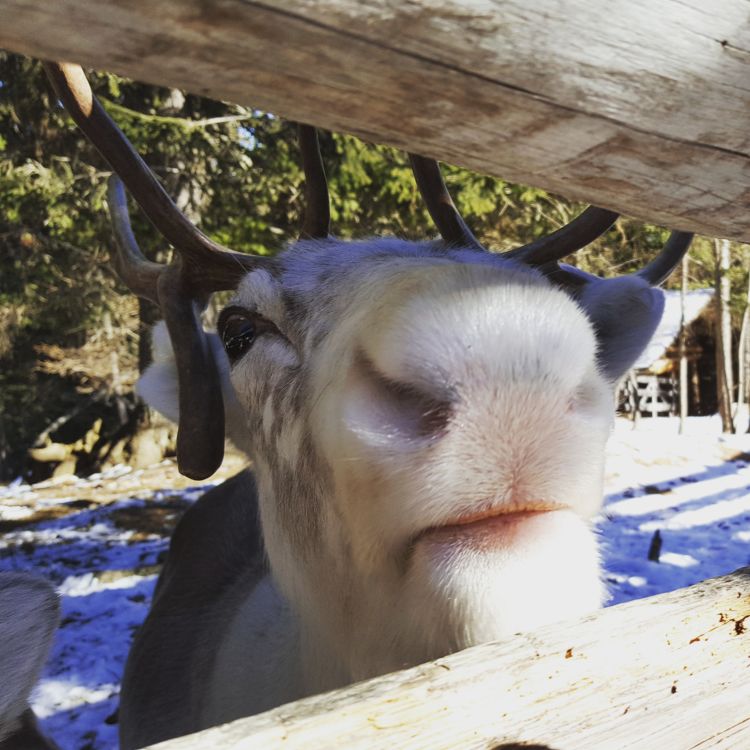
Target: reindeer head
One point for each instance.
(427, 420)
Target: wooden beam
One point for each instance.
(672, 671)
(637, 105)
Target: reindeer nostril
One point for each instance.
(387, 409)
(435, 419)
(418, 413)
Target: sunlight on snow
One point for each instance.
(714, 482)
(680, 561)
(52, 696)
(709, 514)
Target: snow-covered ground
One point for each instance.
(101, 539)
(694, 489)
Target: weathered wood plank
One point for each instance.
(671, 672)
(638, 105)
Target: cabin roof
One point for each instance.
(696, 301)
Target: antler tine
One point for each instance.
(317, 221)
(202, 266)
(658, 270)
(139, 274)
(655, 273)
(450, 224)
(585, 228)
(215, 267)
(200, 437)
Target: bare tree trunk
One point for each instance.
(743, 353)
(148, 315)
(724, 379)
(114, 356)
(695, 385)
(683, 337)
(3, 449)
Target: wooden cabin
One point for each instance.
(651, 389)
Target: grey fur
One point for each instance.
(29, 612)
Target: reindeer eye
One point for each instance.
(238, 330)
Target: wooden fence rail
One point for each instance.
(671, 672)
(638, 105)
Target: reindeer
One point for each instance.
(426, 423)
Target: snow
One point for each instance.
(102, 548)
(694, 489)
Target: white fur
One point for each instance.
(371, 574)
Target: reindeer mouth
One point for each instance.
(495, 527)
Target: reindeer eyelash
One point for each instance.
(239, 328)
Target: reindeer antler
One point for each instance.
(592, 223)
(666, 261)
(453, 229)
(545, 252)
(200, 267)
(578, 233)
(317, 221)
(209, 266)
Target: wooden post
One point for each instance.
(636, 106)
(666, 672)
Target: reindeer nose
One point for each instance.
(446, 343)
(428, 338)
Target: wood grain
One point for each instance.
(637, 105)
(672, 671)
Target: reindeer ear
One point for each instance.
(158, 386)
(625, 313)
